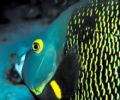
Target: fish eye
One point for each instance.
(37, 46)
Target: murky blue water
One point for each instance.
(16, 39)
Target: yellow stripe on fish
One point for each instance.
(56, 88)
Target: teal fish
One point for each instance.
(93, 34)
(46, 54)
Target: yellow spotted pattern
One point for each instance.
(94, 30)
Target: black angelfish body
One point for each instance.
(92, 54)
(94, 30)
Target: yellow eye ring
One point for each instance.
(37, 46)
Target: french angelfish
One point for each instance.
(93, 33)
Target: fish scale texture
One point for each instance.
(94, 30)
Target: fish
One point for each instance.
(91, 31)
(46, 54)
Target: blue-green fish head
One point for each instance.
(40, 65)
(46, 54)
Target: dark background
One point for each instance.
(46, 10)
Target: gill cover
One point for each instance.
(39, 66)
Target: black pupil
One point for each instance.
(36, 46)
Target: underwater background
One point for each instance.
(21, 21)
